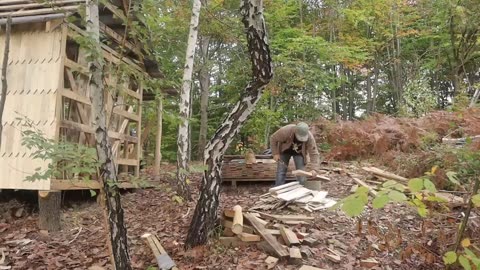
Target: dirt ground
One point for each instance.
(395, 237)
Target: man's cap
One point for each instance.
(301, 132)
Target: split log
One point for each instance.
(294, 194)
(309, 174)
(272, 242)
(288, 236)
(237, 225)
(163, 259)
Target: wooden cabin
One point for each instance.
(47, 78)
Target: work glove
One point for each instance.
(276, 157)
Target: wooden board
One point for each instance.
(34, 76)
(270, 239)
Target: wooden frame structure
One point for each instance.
(48, 77)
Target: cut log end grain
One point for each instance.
(237, 225)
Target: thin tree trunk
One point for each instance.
(107, 172)
(206, 210)
(475, 98)
(369, 94)
(158, 141)
(204, 88)
(375, 87)
(6, 51)
(185, 104)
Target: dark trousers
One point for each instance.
(282, 167)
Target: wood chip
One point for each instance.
(307, 267)
(289, 237)
(369, 263)
(271, 262)
(247, 237)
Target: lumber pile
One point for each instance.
(382, 175)
(273, 233)
(293, 193)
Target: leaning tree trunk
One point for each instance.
(204, 78)
(108, 175)
(207, 205)
(3, 95)
(185, 104)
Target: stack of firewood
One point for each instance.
(271, 232)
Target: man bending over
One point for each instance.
(294, 141)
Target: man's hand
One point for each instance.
(276, 157)
(314, 173)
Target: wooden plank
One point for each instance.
(88, 129)
(58, 184)
(34, 5)
(270, 239)
(294, 194)
(39, 11)
(385, 174)
(247, 237)
(74, 96)
(76, 67)
(283, 186)
(283, 190)
(126, 114)
(288, 236)
(125, 161)
(120, 39)
(161, 255)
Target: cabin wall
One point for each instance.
(34, 77)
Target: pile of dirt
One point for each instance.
(387, 139)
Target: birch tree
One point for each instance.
(207, 205)
(183, 140)
(107, 172)
(204, 78)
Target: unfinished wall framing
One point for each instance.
(47, 75)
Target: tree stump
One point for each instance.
(49, 203)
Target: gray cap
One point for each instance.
(301, 132)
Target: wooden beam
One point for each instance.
(126, 114)
(163, 259)
(247, 237)
(76, 67)
(58, 184)
(21, 13)
(34, 19)
(120, 39)
(279, 249)
(125, 161)
(88, 129)
(74, 96)
(34, 5)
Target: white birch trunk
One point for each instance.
(108, 174)
(204, 79)
(185, 104)
(206, 209)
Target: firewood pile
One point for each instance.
(293, 193)
(271, 233)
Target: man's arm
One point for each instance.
(312, 150)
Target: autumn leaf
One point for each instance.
(466, 242)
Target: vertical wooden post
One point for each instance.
(158, 141)
(49, 210)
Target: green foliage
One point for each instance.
(354, 204)
(65, 160)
